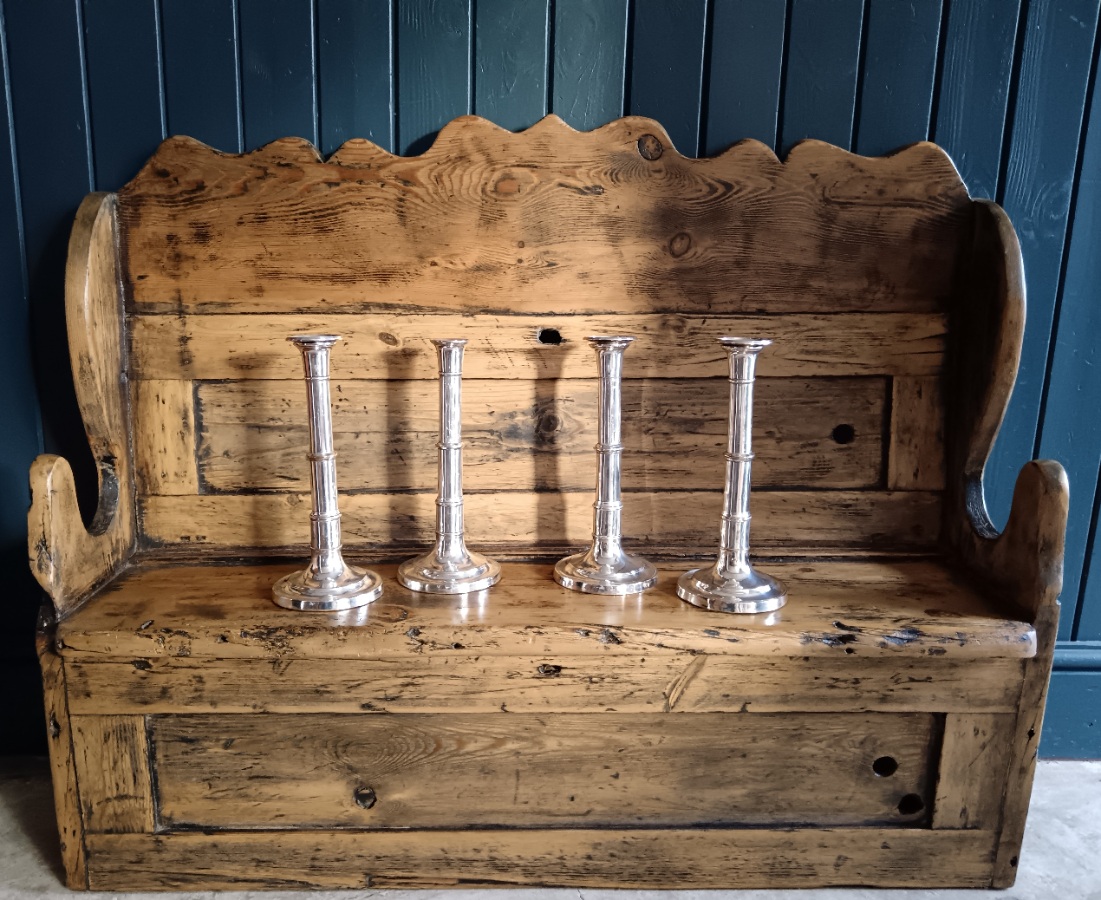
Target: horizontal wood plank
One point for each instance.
(397, 347)
(838, 609)
(540, 523)
(649, 858)
(549, 219)
(484, 771)
(430, 683)
(540, 435)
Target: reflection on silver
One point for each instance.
(449, 568)
(732, 584)
(327, 583)
(604, 568)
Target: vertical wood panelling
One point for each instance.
(900, 61)
(819, 93)
(1047, 120)
(590, 53)
(201, 71)
(433, 74)
(974, 88)
(746, 62)
(355, 72)
(278, 90)
(122, 40)
(1068, 432)
(510, 61)
(667, 41)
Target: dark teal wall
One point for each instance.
(1007, 86)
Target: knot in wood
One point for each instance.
(649, 147)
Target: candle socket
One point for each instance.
(732, 584)
(327, 583)
(449, 568)
(605, 568)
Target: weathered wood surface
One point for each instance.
(916, 450)
(489, 220)
(975, 753)
(66, 558)
(526, 523)
(112, 766)
(165, 442)
(390, 346)
(70, 826)
(431, 683)
(836, 609)
(537, 435)
(649, 858)
(485, 771)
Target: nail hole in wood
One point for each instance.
(364, 797)
(550, 336)
(844, 434)
(885, 766)
(910, 805)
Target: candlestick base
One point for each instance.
(748, 591)
(625, 574)
(435, 573)
(306, 590)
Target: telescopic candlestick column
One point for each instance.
(604, 568)
(732, 584)
(327, 583)
(449, 568)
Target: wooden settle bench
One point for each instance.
(880, 729)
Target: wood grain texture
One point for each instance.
(544, 221)
(393, 347)
(537, 523)
(165, 443)
(836, 609)
(68, 560)
(523, 770)
(724, 858)
(915, 460)
(113, 769)
(437, 683)
(537, 436)
(70, 825)
(1027, 557)
(975, 754)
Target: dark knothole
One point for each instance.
(910, 805)
(844, 434)
(550, 336)
(885, 766)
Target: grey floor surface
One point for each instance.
(1061, 858)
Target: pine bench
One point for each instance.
(881, 729)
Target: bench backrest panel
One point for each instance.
(525, 244)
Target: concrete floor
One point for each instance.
(1061, 858)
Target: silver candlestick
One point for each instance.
(449, 568)
(327, 583)
(604, 568)
(732, 584)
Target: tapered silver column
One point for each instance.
(449, 568)
(732, 584)
(327, 583)
(604, 568)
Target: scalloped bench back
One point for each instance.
(526, 243)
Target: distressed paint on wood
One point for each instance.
(838, 609)
(511, 61)
(519, 436)
(524, 770)
(742, 858)
(526, 523)
(435, 683)
(396, 347)
(590, 61)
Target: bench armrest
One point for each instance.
(68, 560)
